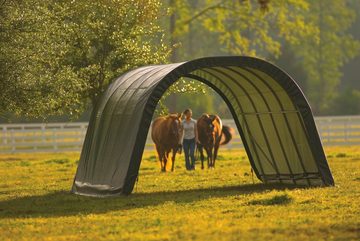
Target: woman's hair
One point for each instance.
(187, 111)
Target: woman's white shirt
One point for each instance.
(189, 128)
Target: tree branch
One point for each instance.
(203, 11)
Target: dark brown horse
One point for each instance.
(211, 134)
(166, 133)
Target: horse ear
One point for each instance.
(180, 115)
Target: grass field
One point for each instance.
(220, 204)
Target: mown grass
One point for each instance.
(220, 204)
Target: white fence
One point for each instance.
(58, 137)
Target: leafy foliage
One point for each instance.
(324, 54)
(254, 28)
(347, 102)
(58, 55)
(184, 90)
(316, 32)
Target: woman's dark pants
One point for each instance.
(189, 149)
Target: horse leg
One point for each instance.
(200, 149)
(163, 163)
(160, 155)
(166, 156)
(209, 156)
(216, 149)
(163, 155)
(173, 159)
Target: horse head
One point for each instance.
(176, 127)
(209, 127)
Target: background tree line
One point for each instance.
(56, 57)
(316, 42)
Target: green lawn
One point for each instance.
(220, 204)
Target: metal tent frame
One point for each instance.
(271, 113)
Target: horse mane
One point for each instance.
(205, 115)
(213, 117)
(172, 115)
(208, 117)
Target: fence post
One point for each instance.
(55, 138)
(328, 131)
(345, 129)
(13, 147)
(5, 135)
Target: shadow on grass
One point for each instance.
(67, 204)
(281, 199)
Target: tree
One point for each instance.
(248, 27)
(316, 32)
(184, 90)
(323, 54)
(255, 28)
(59, 55)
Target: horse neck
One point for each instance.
(167, 123)
(167, 126)
(217, 122)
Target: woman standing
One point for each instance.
(190, 138)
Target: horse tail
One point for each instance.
(226, 130)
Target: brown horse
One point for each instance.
(211, 134)
(166, 133)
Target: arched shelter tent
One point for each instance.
(271, 113)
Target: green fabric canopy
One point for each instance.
(271, 113)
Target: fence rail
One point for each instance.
(57, 137)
